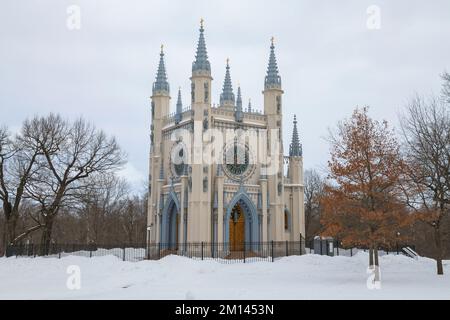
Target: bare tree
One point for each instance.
(18, 159)
(314, 187)
(446, 86)
(426, 131)
(134, 219)
(101, 202)
(71, 152)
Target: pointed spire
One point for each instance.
(201, 62)
(179, 108)
(161, 83)
(239, 99)
(272, 80)
(249, 108)
(239, 115)
(295, 148)
(227, 96)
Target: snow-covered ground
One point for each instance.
(173, 277)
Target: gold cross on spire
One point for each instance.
(272, 40)
(162, 48)
(228, 60)
(201, 22)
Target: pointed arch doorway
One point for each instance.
(237, 228)
(174, 222)
(170, 227)
(241, 225)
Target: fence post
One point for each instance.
(90, 251)
(300, 244)
(59, 252)
(351, 252)
(287, 249)
(271, 244)
(244, 251)
(124, 247)
(337, 247)
(202, 250)
(148, 250)
(159, 250)
(397, 248)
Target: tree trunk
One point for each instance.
(8, 228)
(3, 240)
(375, 253)
(11, 229)
(46, 236)
(371, 256)
(9, 233)
(377, 265)
(437, 237)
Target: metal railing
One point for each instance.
(222, 252)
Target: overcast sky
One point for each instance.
(329, 60)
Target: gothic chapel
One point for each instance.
(232, 202)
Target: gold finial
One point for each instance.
(201, 22)
(272, 40)
(228, 60)
(162, 48)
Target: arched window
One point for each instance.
(287, 219)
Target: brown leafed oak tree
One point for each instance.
(362, 201)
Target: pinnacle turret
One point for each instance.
(227, 96)
(179, 108)
(239, 115)
(272, 80)
(161, 84)
(201, 62)
(295, 148)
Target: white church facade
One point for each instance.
(218, 173)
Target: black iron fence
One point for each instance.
(222, 252)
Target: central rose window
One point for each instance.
(237, 161)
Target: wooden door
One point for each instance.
(237, 229)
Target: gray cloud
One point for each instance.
(328, 59)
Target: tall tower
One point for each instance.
(160, 104)
(200, 197)
(273, 111)
(296, 186)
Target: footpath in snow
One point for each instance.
(174, 277)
